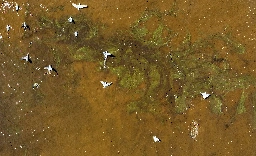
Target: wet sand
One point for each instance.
(71, 114)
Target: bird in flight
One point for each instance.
(106, 55)
(105, 84)
(25, 26)
(79, 6)
(50, 69)
(27, 58)
(205, 95)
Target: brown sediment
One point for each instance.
(72, 114)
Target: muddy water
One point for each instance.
(167, 52)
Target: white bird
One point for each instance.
(36, 85)
(156, 139)
(105, 84)
(76, 34)
(17, 8)
(26, 58)
(71, 20)
(25, 26)
(79, 6)
(8, 27)
(106, 54)
(205, 95)
(49, 69)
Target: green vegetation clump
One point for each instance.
(154, 78)
(145, 54)
(180, 104)
(240, 106)
(215, 105)
(131, 80)
(253, 97)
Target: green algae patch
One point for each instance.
(215, 105)
(132, 80)
(143, 105)
(253, 102)
(235, 46)
(240, 106)
(154, 78)
(84, 53)
(180, 104)
(148, 34)
(140, 32)
(198, 66)
(133, 107)
(119, 71)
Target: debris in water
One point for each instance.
(194, 130)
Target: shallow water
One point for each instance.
(166, 53)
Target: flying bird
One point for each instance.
(105, 84)
(205, 95)
(25, 26)
(106, 54)
(27, 58)
(17, 8)
(71, 20)
(79, 6)
(50, 69)
(8, 27)
(76, 33)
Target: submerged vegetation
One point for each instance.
(172, 73)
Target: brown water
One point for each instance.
(71, 114)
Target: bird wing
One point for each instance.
(83, 6)
(76, 6)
